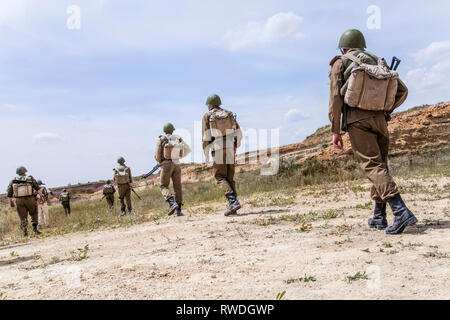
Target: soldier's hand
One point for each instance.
(337, 141)
(11, 203)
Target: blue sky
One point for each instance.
(73, 100)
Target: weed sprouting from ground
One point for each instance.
(357, 276)
(80, 253)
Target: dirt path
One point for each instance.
(255, 255)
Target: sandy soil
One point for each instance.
(255, 255)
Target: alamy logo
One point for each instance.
(374, 20)
(74, 19)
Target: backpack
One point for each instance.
(108, 189)
(64, 196)
(222, 123)
(121, 175)
(23, 186)
(174, 147)
(369, 86)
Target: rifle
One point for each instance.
(135, 193)
(145, 176)
(395, 63)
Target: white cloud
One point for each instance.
(432, 67)
(47, 138)
(294, 115)
(275, 28)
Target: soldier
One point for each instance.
(64, 198)
(108, 193)
(222, 135)
(123, 179)
(368, 132)
(43, 206)
(169, 149)
(23, 189)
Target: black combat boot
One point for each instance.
(379, 217)
(122, 211)
(173, 206)
(403, 216)
(179, 213)
(35, 228)
(234, 204)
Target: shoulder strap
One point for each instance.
(353, 58)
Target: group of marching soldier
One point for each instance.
(221, 137)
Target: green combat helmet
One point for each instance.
(352, 39)
(39, 182)
(121, 160)
(214, 100)
(168, 128)
(21, 171)
(108, 181)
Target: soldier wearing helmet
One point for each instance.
(368, 132)
(64, 198)
(23, 189)
(123, 179)
(108, 193)
(43, 206)
(170, 148)
(221, 135)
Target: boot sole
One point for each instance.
(233, 211)
(377, 226)
(409, 222)
(171, 212)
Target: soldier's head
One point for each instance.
(39, 182)
(64, 190)
(213, 100)
(21, 171)
(352, 39)
(168, 128)
(108, 181)
(121, 161)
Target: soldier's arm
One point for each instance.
(10, 194)
(238, 136)
(336, 100)
(206, 135)
(158, 151)
(37, 188)
(130, 175)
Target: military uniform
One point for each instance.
(223, 151)
(43, 206)
(170, 166)
(170, 169)
(64, 198)
(23, 189)
(368, 132)
(123, 179)
(108, 192)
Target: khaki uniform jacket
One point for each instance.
(208, 140)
